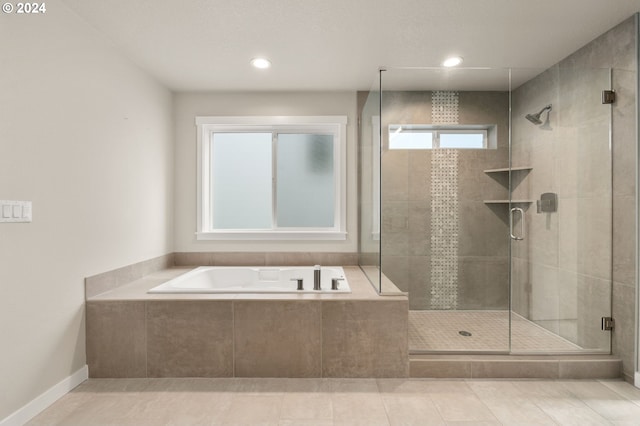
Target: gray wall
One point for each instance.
(564, 272)
(406, 204)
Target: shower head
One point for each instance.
(535, 118)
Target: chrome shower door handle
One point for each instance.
(511, 214)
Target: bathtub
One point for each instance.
(246, 279)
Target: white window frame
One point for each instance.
(488, 131)
(335, 125)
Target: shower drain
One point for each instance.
(464, 333)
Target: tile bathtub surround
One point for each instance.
(121, 349)
(189, 339)
(364, 337)
(277, 339)
(111, 280)
(344, 402)
(207, 335)
(264, 259)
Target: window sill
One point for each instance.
(273, 236)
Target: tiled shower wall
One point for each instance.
(564, 273)
(407, 224)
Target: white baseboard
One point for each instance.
(40, 403)
(636, 379)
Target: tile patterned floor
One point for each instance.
(369, 402)
(439, 331)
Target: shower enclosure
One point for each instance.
(486, 197)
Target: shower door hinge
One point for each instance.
(608, 96)
(607, 323)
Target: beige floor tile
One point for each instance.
(541, 389)
(309, 406)
(258, 386)
(358, 406)
(570, 412)
(461, 407)
(361, 422)
(253, 410)
(516, 411)
(353, 385)
(423, 386)
(309, 385)
(324, 402)
(407, 409)
(624, 389)
(305, 422)
(606, 402)
(493, 389)
(618, 410)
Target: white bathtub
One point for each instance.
(247, 279)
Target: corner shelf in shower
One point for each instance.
(507, 201)
(506, 169)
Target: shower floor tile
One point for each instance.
(440, 331)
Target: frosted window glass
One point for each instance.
(241, 180)
(462, 140)
(305, 180)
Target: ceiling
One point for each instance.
(205, 45)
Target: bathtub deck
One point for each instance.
(361, 289)
(131, 333)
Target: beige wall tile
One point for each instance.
(194, 259)
(116, 340)
(277, 339)
(594, 302)
(590, 369)
(440, 369)
(365, 339)
(189, 339)
(520, 369)
(238, 259)
(623, 310)
(624, 240)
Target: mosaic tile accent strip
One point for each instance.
(444, 209)
(444, 229)
(444, 109)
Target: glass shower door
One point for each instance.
(561, 212)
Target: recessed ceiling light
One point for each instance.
(261, 63)
(452, 61)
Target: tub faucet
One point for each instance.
(316, 277)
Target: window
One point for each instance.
(271, 178)
(422, 136)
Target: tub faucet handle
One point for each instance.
(316, 277)
(335, 283)
(299, 280)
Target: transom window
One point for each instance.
(271, 177)
(422, 136)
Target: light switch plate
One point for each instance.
(15, 211)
